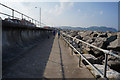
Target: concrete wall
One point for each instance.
(0, 48)
(16, 39)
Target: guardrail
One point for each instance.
(36, 22)
(107, 52)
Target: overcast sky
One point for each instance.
(76, 14)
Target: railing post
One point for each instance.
(32, 20)
(28, 18)
(35, 22)
(105, 68)
(22, 16)
(66, 44)
(80, 58)
(72, 51)
(80, 44)
(13, 13)
(72, 48)
(68, 41)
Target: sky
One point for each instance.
(75, 14)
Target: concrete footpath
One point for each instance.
(61, 64)
(50, 58)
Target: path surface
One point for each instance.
(49, 59)
(62, 64)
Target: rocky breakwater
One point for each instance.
(105, 40)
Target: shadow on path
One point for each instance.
(61, 60)
(32, 63)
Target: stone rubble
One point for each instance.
(105, 40)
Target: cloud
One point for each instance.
(71, 4)
(19, 6)
(59, 9)
(59, 0)
(78, 10)
(101, 12)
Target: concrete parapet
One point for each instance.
(17, 38)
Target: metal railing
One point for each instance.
(36, 22)
(107, 52)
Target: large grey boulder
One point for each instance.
(95, 34)
(112, 38)
(73, 34)
(115, 44)
(90, 40)
(110, 73)
(85, 33)
(86, 38)
(103, 35)
(99, 42)
(79, 37)
(114, 63)
(91, 59)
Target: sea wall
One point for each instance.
(17, 38)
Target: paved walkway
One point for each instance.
(49, 59)
(61, 64)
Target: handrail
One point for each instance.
(107, 52)
(99, 72)
(15, 10)
(36, 22)
(103, 50)
(8, 15)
